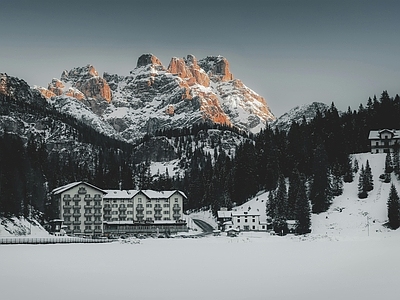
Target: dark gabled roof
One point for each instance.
(71, 185)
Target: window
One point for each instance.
(149, 212)
(76, 219)
(114, 212)
(88, 211)
(76, 227)
(254, 227)
(139, 200)
(82, 190)
(97, 218)
(149, 205)
(115, 205)
(254, 220)
(238, 219)
(130, 212)
(130, 205)
(67, 211)
(166, 212)
(166, 205)
(88, 218)
(176, 200)
(67, 219)
(245, 220)
(76, 211)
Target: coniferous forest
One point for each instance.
(304, 166)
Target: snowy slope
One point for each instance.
(348, 216)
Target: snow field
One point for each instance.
(252, 266)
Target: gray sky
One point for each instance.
(290, 52)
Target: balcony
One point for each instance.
(98, 231)
(76, 199)
(140, 215)
(158, 208)
(176, 215)
(67, 215)
(67, 206)
(77, 207)
(107, 208)
(123, 215)
(176, 208)
(107, 216)
(89, 214)
(140, 208)
(88, 222)
(76, 223)
(98, 222)
(77, 214)
(88, 231)
(97, 206)
(67, 223)
(122, 209)
(88, 207)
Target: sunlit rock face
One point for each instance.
(154, 97)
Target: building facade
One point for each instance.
(80, 206)
(89, 210)
(243, 220)
(385, 140)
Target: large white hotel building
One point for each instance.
(86, 209)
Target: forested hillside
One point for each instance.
(312, 157)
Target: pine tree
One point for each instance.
(302, 209)
(280, 213)
(294, 185)
(388, 163)
(321, 190)
(362, 193)
(393, 208)
(348, 171)
(368, 178)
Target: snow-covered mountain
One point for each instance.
(298, 114)
(154, 97)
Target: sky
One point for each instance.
(291, 52)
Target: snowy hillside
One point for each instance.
(348, 216)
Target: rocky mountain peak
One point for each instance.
(148, 59)
(83, 83)
(79, 74)
(189, 70)
(217, 67)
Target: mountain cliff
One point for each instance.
(154, 97)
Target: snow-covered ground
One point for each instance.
(348, 255)
(251, 266)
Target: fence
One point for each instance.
(49, 240)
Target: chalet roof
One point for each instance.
(244, 213)
(161, 194)
(71, 185)
(376, 134)
(224, 214)
(120, 194)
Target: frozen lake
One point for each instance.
(252, 266)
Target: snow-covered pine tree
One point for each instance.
(348, 171)
(393, 208)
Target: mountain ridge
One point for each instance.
(154, 97)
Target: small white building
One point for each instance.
(243, 220)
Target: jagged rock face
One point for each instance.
(83, 82)
(148, 59)
(217, 67)
(189, 71)
(153, 97)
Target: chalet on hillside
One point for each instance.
(384, 140)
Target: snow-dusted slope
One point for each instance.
(348, 217)
(298, 114)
